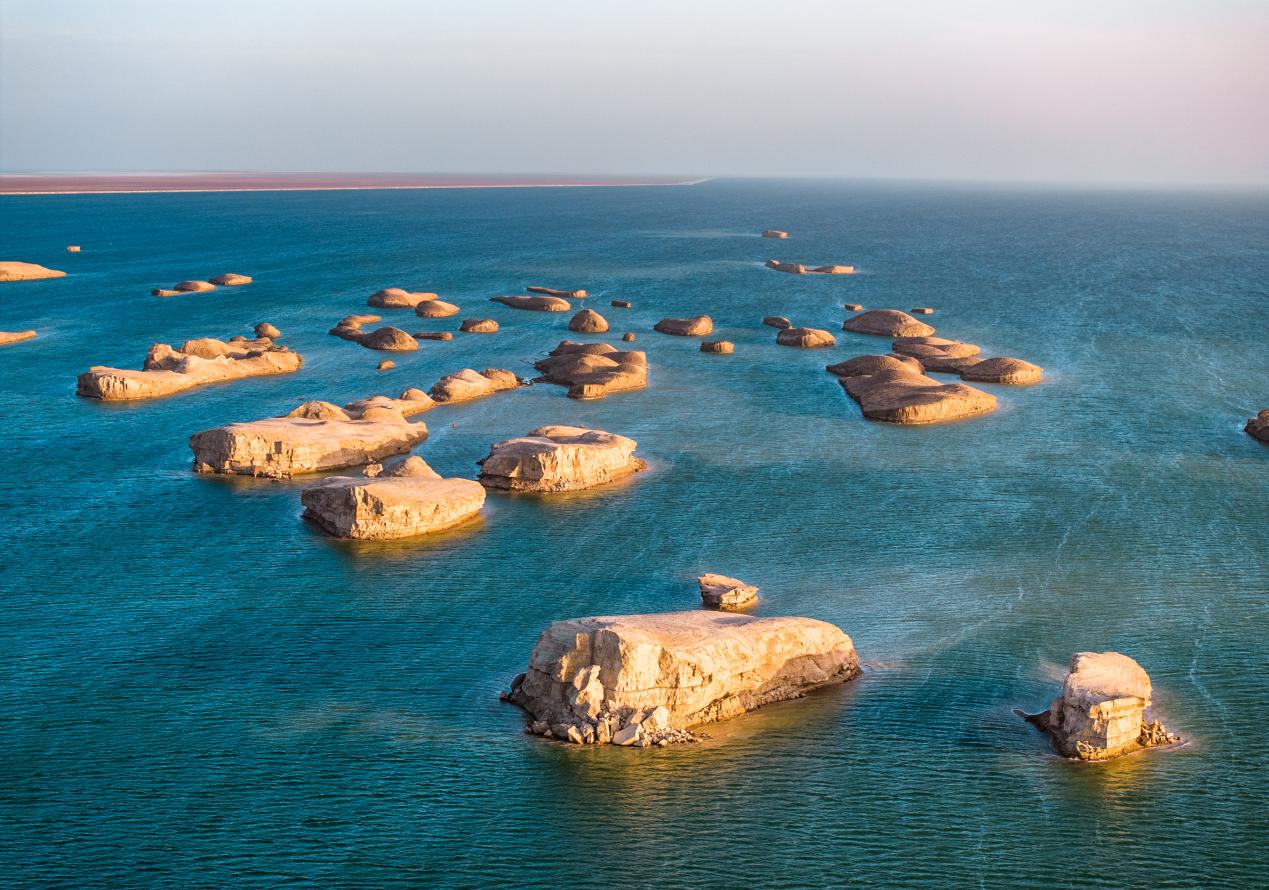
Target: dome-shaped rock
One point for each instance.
(887, 323)
(435, 309)
(536, 304)
(863, 365)
(479, 326)
(806, 338)
(193, 287)
(588, 321)
(698, 326)
(718, 347)
(777, 321)
(1003, 370)
(1257, 427)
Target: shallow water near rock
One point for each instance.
(199, 687)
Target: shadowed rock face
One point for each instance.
(909, 397)
(552, 292)
(806, 338)
(697, 326)
(7, 337)
(479, 326)
(1100, 712)
(193, 287)
(466, 385)
(775, 233)
(435, 309)
(1013, 371)
(398, 298)
(559, 458)
(588, 321)
(315, 436)
(593, 370)
(15, 271)
(389, 339)
(721, 592)
(267, 331)
(408, 500)
(196, 363)
(718, 347)
(1258, 426)
(887, 323)
(230, 279)
(937, 353)
(863, 365)
(536, 304)
(777, 321)
(645, 679)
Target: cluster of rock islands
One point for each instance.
(628, 680)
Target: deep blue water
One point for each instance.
(197, 688)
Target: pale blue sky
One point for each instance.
(1111, 90)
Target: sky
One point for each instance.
(1096, 91)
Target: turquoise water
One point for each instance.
(200, 689)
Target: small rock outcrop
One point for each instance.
(806, 338)
(887, 323)
(15, 271)
(937, 353)
(777, 321)
(1100, 713)
(622, 304)
(721, 592)
(315, 436)
(1012, 371)
(643, 680)
(404, 501)
(790, 268)
(718, 347)
(863, 365)
(923, 310)
(7, 337)
(853, 307)
(467, 385)
(628, 337)
(559, 458)
(72, 248)
(479, 326)
(411, 402)
(833, 270)
(186, 287)
(435, 309)
(389, 339)
(535, 304)
(433, 335)
(1257, 427)
(697, 326)
(386, 365)
(398, 298)
(775, 233)
(167, 371)
(593, 370)
(552, 292)
(588, 321)
(266, 331)
(909, 397)
(227, 279)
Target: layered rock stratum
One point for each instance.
(169, 370)
(559, 458)
(593, 370)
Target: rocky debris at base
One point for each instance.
(887, 323)
(169, 370)
(905, 396)
(535, 304)
(405, 500)
(588, 321)
(721, 592)
(697, 326)
(1100, 713)
(593, 370)
(478, 326)
(467, 385)
(643, 680)
(14, 271)
(806, 338)
(559, 458)
(8, 337)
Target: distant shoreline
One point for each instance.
(13, 184)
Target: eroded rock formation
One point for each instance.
(721, 592)
(588, 321)
(467, 385)
(552, 292)
(909, 397)
(697, 326)
(806, 338)
(937, 353)
(267, 331)
(887, 323)
(404, 501)
(7, 337)
(167, 371)
(479, 326)
(775, 233)
(1013, 371)
(1257, 427)
(228, 279)
(15, 271)
(646, 679)
(593, 370)
(398, 298)
(435, 309)
(535, 304)
(790, 268)
(862, 365)
(718, 347)
(559, 458)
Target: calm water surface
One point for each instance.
(200, 689)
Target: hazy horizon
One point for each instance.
(1163, 93)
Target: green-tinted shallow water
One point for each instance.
(200, 689)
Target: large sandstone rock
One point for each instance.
(593, 370)
(721, 592)
(645, 679)
(167, 371)
(697, 326)
(718, 347)
(863, 365)
(536, 304)
(908, 397)
(229, 279)
(466, 385)
(806, 338)
(1013, 371)
(315, 436)
(774, 233)
(588, 321)
(1257, 427)
(435, 309)
(887, 323)
(559, 458)
(479, 326)
(7, 337)
(1100, 713)
(411, 402)
(15, 271)
(552, 292)
(398, 298)
(193, 287)
(408, 500)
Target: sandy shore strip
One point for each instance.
(141, 183)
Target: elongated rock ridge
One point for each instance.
(1101, 711)
(14, 271)
(196, 363)
(7, 337)
(887, 323)
(805, 338)
(593, 370)
(722, 592)
(559, 458)
(405, 501)
(647, 679)
(467, 385)
(906, 396)
(697, 326)
(398, 298)
(315, 436)
(535, 304)
(554, 292)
